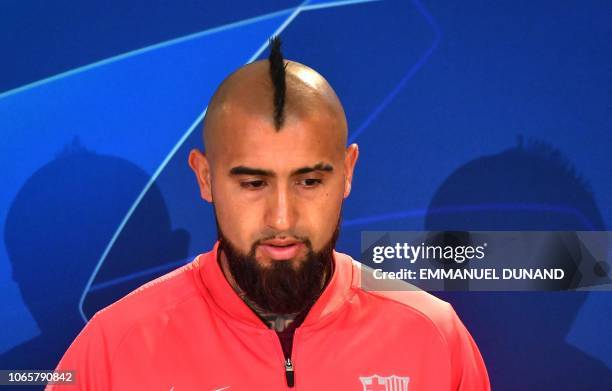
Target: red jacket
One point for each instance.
(188, 330)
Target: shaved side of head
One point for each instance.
(278, 94)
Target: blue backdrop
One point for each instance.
(472, 115)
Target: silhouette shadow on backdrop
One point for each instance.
(58, 227)
(522, 334)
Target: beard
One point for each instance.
(284, 286)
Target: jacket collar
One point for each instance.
(219, 289)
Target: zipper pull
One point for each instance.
(289, 373)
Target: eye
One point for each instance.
(253, 185)
(310, 182)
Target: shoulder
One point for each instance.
(406, 305)
(400, 299)
(151, 301)
(401, 303)
(145, 309)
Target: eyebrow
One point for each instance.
(243, 170)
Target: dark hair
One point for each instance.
(277, 73)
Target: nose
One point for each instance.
(280, 211)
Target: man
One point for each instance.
(272, 306)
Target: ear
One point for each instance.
(201, 168)
(350, 158)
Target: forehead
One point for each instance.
(249, 139)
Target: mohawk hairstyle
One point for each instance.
(277, 73)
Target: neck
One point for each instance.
(277, 322)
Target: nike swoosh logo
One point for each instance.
(222, 388)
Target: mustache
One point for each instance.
(281, 235)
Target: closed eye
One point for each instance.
(310, 182)
(253, 185)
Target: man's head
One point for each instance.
(276, 166)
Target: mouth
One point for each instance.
(282, 249)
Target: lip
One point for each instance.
(280, 242)
(282, 249)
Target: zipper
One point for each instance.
(288, 365)
(289, 373)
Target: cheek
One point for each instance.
(238, 219)
(322, 217)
